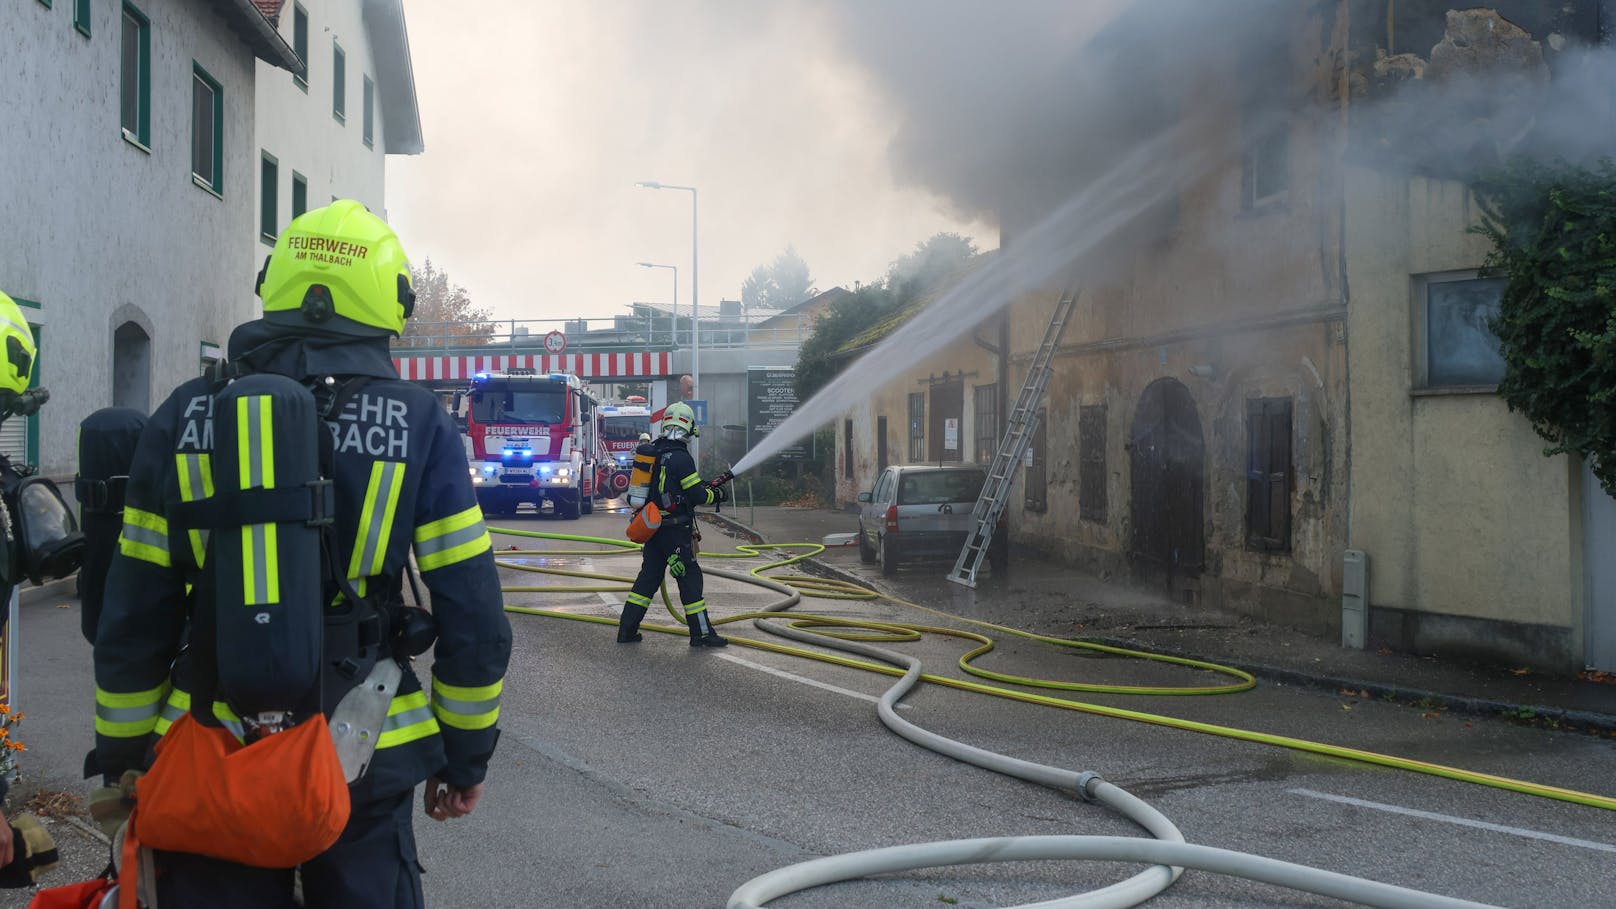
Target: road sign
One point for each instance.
(771, 397)
(555, 342)
(700, 409)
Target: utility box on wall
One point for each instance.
(1354, 599)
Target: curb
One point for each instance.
(50, 590)
(1481, 707)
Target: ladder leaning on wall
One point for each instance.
(1018, 433)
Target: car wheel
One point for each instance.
(889, 559)
(866, 551)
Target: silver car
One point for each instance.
(923, 512)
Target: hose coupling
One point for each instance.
(1086, 781)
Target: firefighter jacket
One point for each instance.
(677, 487)
(401, 481)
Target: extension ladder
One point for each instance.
(1018, 433)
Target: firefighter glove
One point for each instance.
(676, 565)
(720, 494)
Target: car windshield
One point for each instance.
(537, 407)
(625, 428)
(935, 487)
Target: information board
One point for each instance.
(770, 399)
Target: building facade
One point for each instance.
(130, 163)
(324, 134)
(1285, 364)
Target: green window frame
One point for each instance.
(300, 194)
(207, 130)
(300, 44)
(81, 16)
(45, 3)
(370, 113)
(339, 75)
(135, 75)
(269, 171)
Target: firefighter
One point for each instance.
(335, 289)
(677, 489)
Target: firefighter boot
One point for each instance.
(702, 633)
(628, 627)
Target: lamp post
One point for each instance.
(695, 301)
(675, 295)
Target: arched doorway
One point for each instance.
(1168, 456)
(131, 367)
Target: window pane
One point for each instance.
(130, 64)
(268, 224)
(300, 195)
(370, 92)
(1460, 346)
(339, 72)
(300, 34)
(202, 129)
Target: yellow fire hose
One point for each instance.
(823, 588)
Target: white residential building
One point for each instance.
(127, 204)
(324, 134)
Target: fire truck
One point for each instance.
(531, 438)
(619, 427)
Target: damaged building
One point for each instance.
(1278, 384)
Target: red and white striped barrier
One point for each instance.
(583, 365)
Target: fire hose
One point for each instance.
(1166, 852)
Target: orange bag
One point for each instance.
(645, 523)
(273, 804)
(86, 895)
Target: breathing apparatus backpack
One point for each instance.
(268, 640)
(107, 441)
(647, 519)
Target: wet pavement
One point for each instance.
(1049, 598)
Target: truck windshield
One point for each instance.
(620, 429)
(537, 406)
(940, 486)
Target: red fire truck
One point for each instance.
(532, 438)
(619, 427)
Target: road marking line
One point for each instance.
(804, 679)
(1460, 821)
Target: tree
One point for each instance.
(444, 313)
(1553, 229)
(781, 284)
(910, 278)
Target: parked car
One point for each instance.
(922, 512)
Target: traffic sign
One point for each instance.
(555, 342)
(700, 408)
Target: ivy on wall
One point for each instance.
(1553, 230)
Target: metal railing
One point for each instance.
(605, 335)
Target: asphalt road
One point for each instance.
(658, 775)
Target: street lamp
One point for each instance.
(675, 295)
(695, 300)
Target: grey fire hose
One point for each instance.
(1167, 854)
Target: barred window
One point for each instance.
(1268, 474)
(917, 427)
(987, 422)
(1092, 496)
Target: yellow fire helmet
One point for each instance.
(339, 269)
(17, 368)
(679, 421)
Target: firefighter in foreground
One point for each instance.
(269, 518)
(676, 488)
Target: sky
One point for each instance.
(540, 116)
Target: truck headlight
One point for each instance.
(563, 472)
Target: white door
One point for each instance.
(1599, 557)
